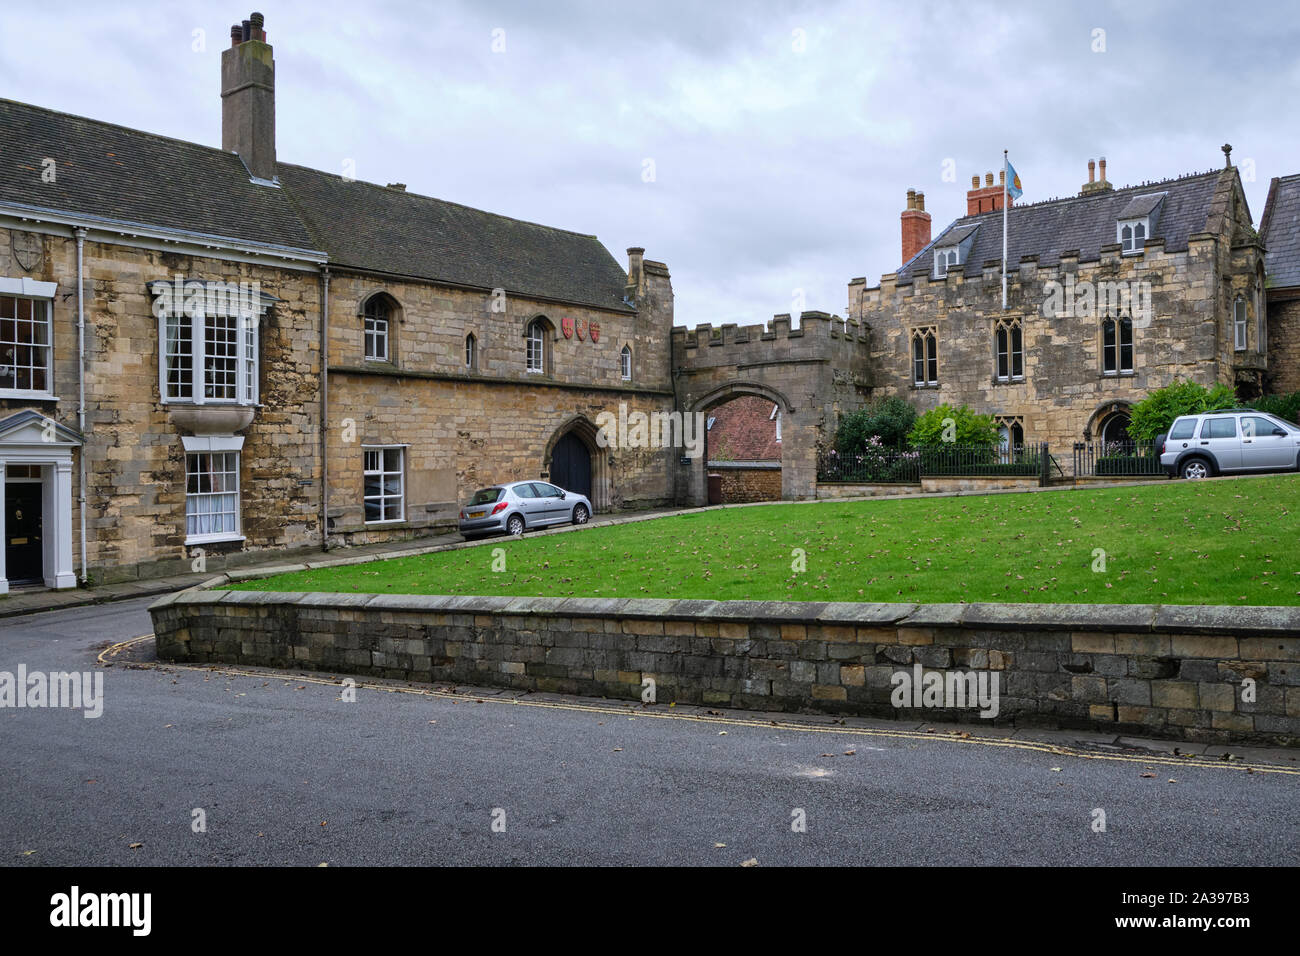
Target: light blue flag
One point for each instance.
(1013, 182)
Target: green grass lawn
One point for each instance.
(1216, 542)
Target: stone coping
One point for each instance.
(1111, 618)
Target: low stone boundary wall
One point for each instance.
(855, 489)
(1198, 673)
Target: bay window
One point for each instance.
(209, 342)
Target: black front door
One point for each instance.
(23, 532)
(571, 465)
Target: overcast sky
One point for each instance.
(779, 138)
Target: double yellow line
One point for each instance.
(663, 713)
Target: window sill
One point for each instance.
(384, 523)
(1019, 380)
(924, 386)
(28, 395)
(212, 538)
(1128, 374)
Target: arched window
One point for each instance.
(1117, 346)
(1008, 352)
(377, 316)
(925, 357)
(536, 345)
(1239, 324)
(625, 363)
(471, 353)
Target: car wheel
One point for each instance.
(515, 525)
(1196, 468)
(581, 514)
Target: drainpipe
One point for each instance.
(324, 409)
(81, 394)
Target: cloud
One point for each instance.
(783, 135)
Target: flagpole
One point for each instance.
(1004, 230)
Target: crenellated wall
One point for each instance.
(813, 372)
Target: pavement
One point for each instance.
(282, 768)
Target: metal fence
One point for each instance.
(880, 465)
(1113, 459)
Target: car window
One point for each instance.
(546, 491)
(525, 491)
(1183, 428)
(485, 496)
(1252, 425)
(1219, 428)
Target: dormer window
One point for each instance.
(1137, 221)
(943, 258)
(1133, 235)
(953, 248)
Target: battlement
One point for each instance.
(814, 327)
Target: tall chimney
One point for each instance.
(916, 225)
(248, 98)
(986, 198)
(634, 291)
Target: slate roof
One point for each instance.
(376, 228)
(128, 176)
(1085, 223)
(1280, 230)
(121, 174)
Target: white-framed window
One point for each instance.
(26, 347)
(1116, 346)
(1008, 351)
(211, 496)
(208, 334)
(536, 346)
(385, 483)
(625, 363)
(925, 357)
(1131, 234)
(943, 258)
(1261, 320)
(776, 417)
(375, 325)
(1239, 324)
(471, 352)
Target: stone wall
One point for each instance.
(854, 489)
(135, 461)
(741, 484)
(1283, 334)
(1175, 671)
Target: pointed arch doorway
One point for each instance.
(571, 465)
(574, 461)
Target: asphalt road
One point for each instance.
(286, 772)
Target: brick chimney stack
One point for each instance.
(248, 97)
(916, 225)
(986, 198)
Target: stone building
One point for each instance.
(1280, 229)
(1111, 293)
(206, 354)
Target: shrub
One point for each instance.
(1155, 413)
(888, 420)
(970, 428)
(1283, 406)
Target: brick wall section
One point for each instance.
(1169, 671)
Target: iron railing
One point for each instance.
(1116, 459)
(878, 464)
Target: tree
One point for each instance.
(947, 425)
(889, 420)
(1155, 413)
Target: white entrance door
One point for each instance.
(37, 452)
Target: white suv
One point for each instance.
(1229, 441)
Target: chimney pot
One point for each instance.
(1101, 168)
(988, 179)
(911, 199)
(920, 201)
(974, 182)
(1092, 171)
(247, 29)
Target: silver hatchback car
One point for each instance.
(520, 505)
(1230, 441)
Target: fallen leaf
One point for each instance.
(752, 861)
(716, 846)
(617, 749)
(136, 846)
(722, 733)
(1056, 770)
(1148, 775)
(849, 753)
